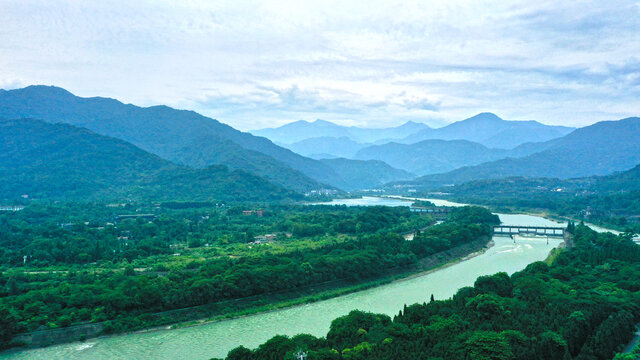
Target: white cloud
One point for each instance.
(264, 63)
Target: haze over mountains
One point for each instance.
(599, 149)
(437, 156)
(416, 147)
(327, 147)
(481, 147)
(490, 130)
(326, 155)
(485, 128)
(301, 130)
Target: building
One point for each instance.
(11, 207)
(258, 213)
(266, 238)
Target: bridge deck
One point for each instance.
(537, 230)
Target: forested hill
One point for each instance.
(599, 149)
(612, 200)
(184, 137)
(64, 162)
(623, 181)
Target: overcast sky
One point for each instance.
(372, 63)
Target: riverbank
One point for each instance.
(238, 308)
(217, 338)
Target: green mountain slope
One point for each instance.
(359, 174)
(64, 162)
(180, 136)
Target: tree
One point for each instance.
(499, 284)
(240, 353)
(487, 345)
(8, 325)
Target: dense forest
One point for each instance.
(105, 268)
(582, 306)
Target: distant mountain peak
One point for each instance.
(485, 116)
(46, 89)
(321, 122)
(414, 124)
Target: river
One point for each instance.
(217, 338)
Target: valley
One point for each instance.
(333, 180)
(504, 254)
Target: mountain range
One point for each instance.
(302, 130)
(438, 156)
(324, 147)
(416, 147)
(346, 158)
(64, 162)
(598, 149)
(490, 130)
(180, 136)
(485, 128)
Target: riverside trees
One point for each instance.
(584, 306)
(122, 273)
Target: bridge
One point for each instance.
(439, 212)
(528, 230)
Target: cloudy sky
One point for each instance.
(372, 63)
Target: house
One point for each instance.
(261, 239)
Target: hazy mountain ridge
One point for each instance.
(342, 147)
(599, 149)
(301, 130)
(62, 161)
(492, 131)
(436, 156)
(426, 150)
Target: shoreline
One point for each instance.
(287, 304)
(517, 211)
(396, 279)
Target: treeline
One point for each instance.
(584, 306)
(124, 298)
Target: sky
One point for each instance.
(256, 64)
